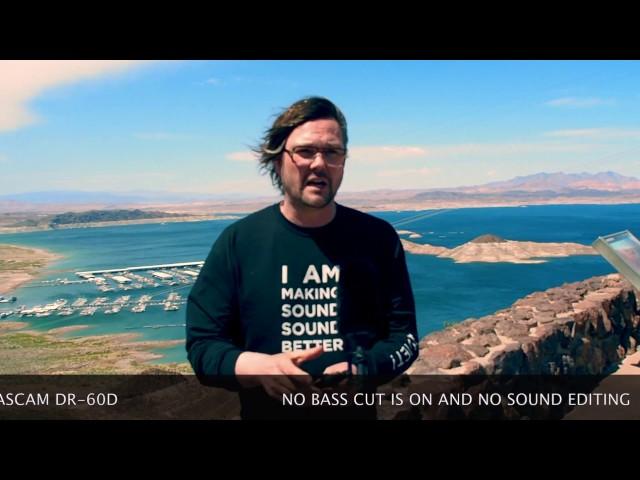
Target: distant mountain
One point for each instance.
(537, 189)
(67, 197)
(559, 183)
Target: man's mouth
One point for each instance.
(317, 182)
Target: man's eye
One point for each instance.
(305, 152)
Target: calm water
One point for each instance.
(444, 291)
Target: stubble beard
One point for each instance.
(300, 198)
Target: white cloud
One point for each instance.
(399, 153)
(596, 133)
(23, 80)
(435, 152)
(408, 172)
(492, 173)
(244, 156)
(504, 149)
(577, 102)
(382, 153)
(213, 81)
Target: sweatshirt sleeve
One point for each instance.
(212, 326)
(394, 353)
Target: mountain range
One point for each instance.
(560, 182)
(539, 188)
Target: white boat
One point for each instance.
(88, 311)
(139, 308)
(79, 302)
(114, 309)
(170, 307)
(122, 300)
(65, 312)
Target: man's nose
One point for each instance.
(315, 163)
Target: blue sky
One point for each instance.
(185, 126)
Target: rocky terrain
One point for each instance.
(578, 332)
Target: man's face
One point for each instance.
(314, 185)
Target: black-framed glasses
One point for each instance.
(304, 155)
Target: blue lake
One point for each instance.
(444, 291)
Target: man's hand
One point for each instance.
(340, 383)
(277, 374)
(339, 368)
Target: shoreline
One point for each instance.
(235, 211)
(117, 223)
(120, 353)
(20, 265)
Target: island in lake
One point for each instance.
(493, 249)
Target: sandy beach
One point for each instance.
(20, 265)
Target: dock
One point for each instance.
(89, 274)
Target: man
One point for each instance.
(288, 293)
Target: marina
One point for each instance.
(172, 276)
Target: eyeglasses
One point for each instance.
(305, 155)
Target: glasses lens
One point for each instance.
(332, 156)
(305, 153)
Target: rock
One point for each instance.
(522, 314)
(477, 350)
(488, 239)
(508, 360)
(467, 368)
(442, 337)
(546, 306)
(444, 356)
(580, 328)
(511, 329)
(486, 340)
(544, 319)
(484, 325)
(531, 350)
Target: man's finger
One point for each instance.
(337, 368)
(300, 356)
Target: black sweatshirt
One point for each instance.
(270, 286)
